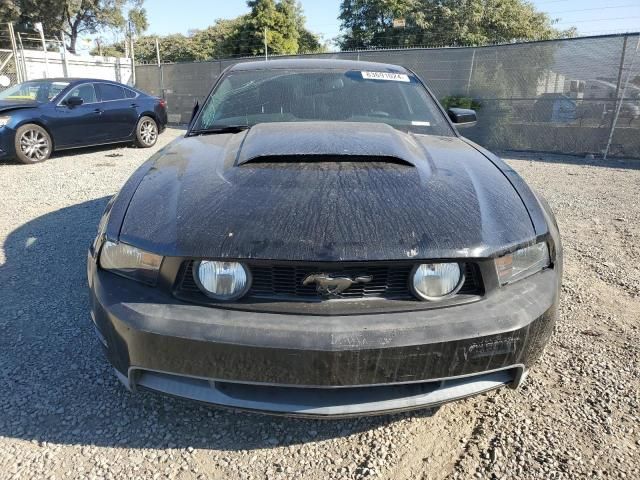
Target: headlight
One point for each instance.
(222, 280)
(522, 263)
(4, 120)
(436, 281)
(130, 262)
(102, 226)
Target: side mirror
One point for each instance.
(74, 101)
(462, 117)
(194, 111)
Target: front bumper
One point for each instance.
(322, 366)
(7, 142)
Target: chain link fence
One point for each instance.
(568, 96)
(8, 69)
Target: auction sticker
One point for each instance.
(393, 77)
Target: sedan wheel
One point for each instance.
(147, 132)
(33, 144)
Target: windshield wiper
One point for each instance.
(220, 129)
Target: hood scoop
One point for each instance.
(271, 159)
(304, 142)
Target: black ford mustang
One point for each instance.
(323, 242)
(40, 116)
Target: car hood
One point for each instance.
(6, 105)
(325, 192)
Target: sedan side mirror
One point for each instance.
(74, 101)
(462, 117)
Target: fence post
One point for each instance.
(619, 80)
(624, 92)
(133, 57)
(38, 26)
(160, 68)
(65, 63)
(23, 60)
(14, 48)
(473, 58)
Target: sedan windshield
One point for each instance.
(245, 98)
(39, 90)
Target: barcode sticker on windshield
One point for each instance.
(393, 77)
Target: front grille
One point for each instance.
(283, 281)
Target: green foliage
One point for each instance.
(215, 41)
(369, 23)
(137, 17)
(75, 17)
(457, 101)
(275, 20)
(283, 21)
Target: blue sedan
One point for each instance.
(41, 116)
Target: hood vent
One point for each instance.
(298, 159)
(307, 142)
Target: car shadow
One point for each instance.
(115, 147)
(611, 162)
(56, 385)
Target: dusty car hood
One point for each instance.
(227, 196)
(6, 105)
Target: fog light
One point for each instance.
(436, 281)
(222, 280)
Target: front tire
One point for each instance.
(33, 144)
(146, 132)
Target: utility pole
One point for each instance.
(266, 55)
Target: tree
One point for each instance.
(9, 11)
(275, 20)
(283, 21)
(308, 42)
(370, 23)
(75, 17)
(137, 17)
(217, 40)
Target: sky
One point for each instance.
(591, 17)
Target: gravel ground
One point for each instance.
(63, 414)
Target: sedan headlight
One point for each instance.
(222, 280)
(130, 262)
(436, 281)
(4, 120)
(522, 263)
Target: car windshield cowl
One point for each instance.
(216, 129)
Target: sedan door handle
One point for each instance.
(99, 111)
(134, 105)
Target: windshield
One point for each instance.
(39, 90)
(251, 97)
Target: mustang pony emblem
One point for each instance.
(329, 286)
